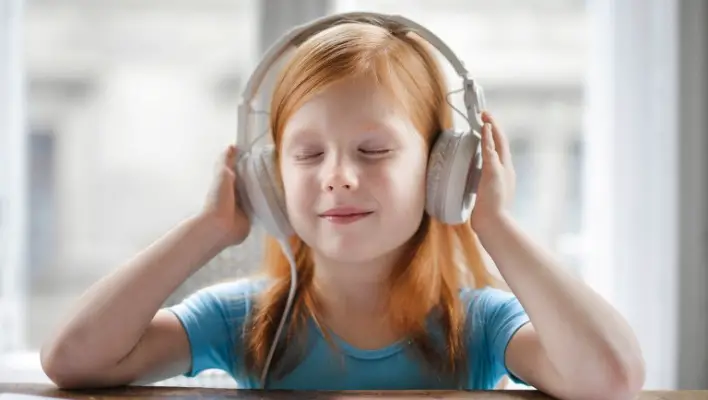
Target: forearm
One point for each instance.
(580, 332)
(112, 315)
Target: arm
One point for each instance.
(577, 345)
(117, 335)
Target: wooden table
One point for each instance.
(149, 392)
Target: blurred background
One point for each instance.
(113, 114)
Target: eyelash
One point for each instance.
(306, 157)
(309, 156)
(378, 152)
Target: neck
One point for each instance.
(353, 287)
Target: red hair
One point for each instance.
(440, 260)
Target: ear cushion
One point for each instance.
(454, 168)
(436, 164)
(260, 193)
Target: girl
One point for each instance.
(388, 298)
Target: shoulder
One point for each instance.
(487, 299)
(228, 302)
(238, 290)
(492, 309)
(213, 319)
(493, 317)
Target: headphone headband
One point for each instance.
(473, 98)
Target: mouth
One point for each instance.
(344, 216)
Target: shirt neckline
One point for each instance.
(356, 352)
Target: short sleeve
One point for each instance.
(501, 315)
(213, 319)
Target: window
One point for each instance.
(521, 153)
(134, 104)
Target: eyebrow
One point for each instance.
(379, 126)
(296, 136)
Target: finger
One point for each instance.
(488, 144)
(501, 143)
(230, 152)
(230, 158)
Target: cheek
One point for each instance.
(405, 185)
(298, 190)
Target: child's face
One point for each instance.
(351, 148)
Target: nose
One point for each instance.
(340, 177)
(339, 183)
(331, 188)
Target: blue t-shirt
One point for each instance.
(214, 319)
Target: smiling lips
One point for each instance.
(345, 215)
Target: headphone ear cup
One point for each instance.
(454, 168)
(436, 165)
(260, 193)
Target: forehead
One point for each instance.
(349, 106)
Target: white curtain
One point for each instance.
(645, 184)
(13, 288)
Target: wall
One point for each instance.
(692, 352)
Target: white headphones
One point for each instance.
(454, 164)
(451, 182)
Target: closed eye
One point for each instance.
(377, 152)
(307, 156)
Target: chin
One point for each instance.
(358, 249)
(349, 251)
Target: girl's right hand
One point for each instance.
(221, 207)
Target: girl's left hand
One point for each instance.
(497, 184)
